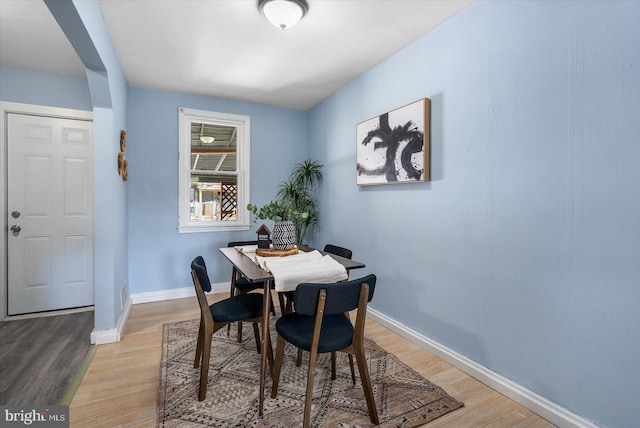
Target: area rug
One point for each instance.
(403, 398)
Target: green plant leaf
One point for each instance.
(295, 199)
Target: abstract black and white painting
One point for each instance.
(394, 147)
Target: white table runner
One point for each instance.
(289, 271)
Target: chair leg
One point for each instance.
(313, 356)
(283, 306)
(204, 369)
(256, 334)
(273, 307)
(366, 385)
(232, 292)
(288, 305)
(239, 331)
(199, 344)
(333, 365)
(353, 372)
(277, 366)
(270, 354)
(299, 358)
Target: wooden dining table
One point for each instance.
(254, 273)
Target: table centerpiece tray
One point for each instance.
(272, 252)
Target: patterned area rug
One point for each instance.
(403, 398)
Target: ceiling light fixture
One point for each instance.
(283, 14)
(207, 140)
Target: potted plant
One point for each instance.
(282, 213)
(294, 201)
(300, 189)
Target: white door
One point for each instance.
(49, 213)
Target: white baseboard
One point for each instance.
(175, 293)
(102, 337)
(114, 334)
(158, 296)
(555, 414)
(552, 412)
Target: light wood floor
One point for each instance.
(121, 385)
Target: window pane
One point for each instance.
(213, 170)
(213, 198)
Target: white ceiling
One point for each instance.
(225, 48)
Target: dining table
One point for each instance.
(254, 273)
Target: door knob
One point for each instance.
(15, 228)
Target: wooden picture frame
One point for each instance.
(394, 147)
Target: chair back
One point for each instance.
(338, 251)
(241, 243)
(199, 268)
(202, 284)
(341, 297)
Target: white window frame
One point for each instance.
(243, 124)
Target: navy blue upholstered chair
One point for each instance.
(240, 285)
(329, 248)
(339, 251)
(244, 307)
(320, 324)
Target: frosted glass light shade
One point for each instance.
(283, 14)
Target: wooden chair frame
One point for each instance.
(233, 291)
(355, 349)
(208, 326)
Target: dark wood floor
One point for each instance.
(39, 357)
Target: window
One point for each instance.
(214, 171)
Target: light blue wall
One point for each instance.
(160, 256)
(31, 87)
(82, 23)
(523, 252)
(109, 91)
